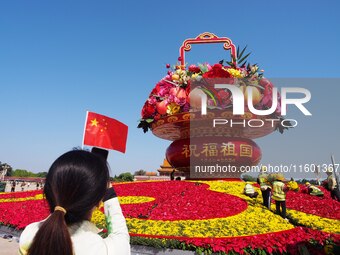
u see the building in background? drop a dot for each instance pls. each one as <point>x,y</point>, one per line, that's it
<point>166,170</point>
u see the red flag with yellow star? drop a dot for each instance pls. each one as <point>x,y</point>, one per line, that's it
<point>104,132</point>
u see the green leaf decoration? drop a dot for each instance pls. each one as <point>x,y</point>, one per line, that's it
<point>244,58</point>
<point>149,120</point>
<point>144,125</point>
<point>210,95</point>
<point>241,54</point>
<point>281,128</point>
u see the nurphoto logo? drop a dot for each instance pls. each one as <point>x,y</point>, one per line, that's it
<point>239,99</point>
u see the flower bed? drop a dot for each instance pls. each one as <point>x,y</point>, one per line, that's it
<point>23,209</point>
<point>179,201</point>
<point>321,206</point>
<point>205,215</point>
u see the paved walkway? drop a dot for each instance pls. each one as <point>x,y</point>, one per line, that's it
<point>8,247</point>
<point>11,246</point>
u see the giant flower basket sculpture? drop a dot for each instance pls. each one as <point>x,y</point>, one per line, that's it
<point>190,107</point>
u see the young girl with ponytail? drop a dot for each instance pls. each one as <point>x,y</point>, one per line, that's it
<point>75,184</point>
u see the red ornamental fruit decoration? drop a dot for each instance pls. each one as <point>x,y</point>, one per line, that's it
<point>174,112</point>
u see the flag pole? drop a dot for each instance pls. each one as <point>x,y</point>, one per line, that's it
<point>317,171</point>
<point>334,172</point>
<point>82,143</point>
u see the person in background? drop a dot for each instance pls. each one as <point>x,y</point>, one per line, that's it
<point>75,185</point>
<point>250,191</point>
<point>13,186</point>
<point>279,195</point>
<point>23,184</point>
<point>313,190</point>
<point>332,185</point>
<point>172,175</point>
<point>266,189</point>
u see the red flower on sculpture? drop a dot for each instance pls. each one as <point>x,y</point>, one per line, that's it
<point>148,110</point>
<point>194,69</point>
<point>217,71</point>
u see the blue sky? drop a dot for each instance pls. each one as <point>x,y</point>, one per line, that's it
<point>61,58</point>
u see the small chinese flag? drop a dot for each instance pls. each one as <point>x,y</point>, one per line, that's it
<point>105,132</point>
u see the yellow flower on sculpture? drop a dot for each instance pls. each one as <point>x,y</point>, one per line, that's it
<point>235,73</point>
<point>173,108</point>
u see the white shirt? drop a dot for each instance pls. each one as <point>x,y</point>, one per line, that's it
<point>84,235</point>
<point>249,189</point>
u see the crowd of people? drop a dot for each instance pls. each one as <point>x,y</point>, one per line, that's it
<point>275,187</point>
<point>25,185</point>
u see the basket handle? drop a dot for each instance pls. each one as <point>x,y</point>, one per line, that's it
<point>204,38</point>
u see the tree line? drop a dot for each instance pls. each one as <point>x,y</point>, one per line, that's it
<point>20,172</point>
<point>123,177</point>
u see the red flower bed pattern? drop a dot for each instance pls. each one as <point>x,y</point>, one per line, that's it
<point>321,206</point>
<point>179,201</point>
<point>20,194</point>
<point>20,214</point>
<point>192,201</point>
